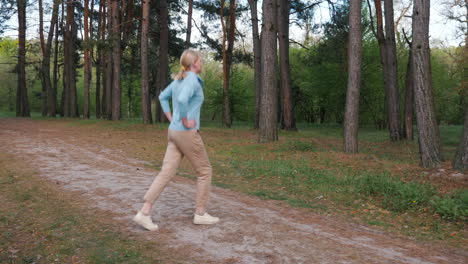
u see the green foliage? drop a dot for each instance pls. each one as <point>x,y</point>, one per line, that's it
<point>396,195</point>
<point>298,145</point>
<point>452,206</point>
<point>241,92</point>
<point>447,85</point>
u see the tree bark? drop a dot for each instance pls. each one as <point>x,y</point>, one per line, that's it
<point>229,36</point>
<point>22,103</point>
<point>393,97</point>
<point>99,60</point>
<point>257,60</point>
<point>71,106</point>
<point>288,121</point>
<point>41,71</point>
<point>163,69</point>
<point>87,61</point>
<point>116,58</point>
<point>50,100</point>
<point>461,158</point>
<point>351,120</point>
<point>106,62</point>
<point>52,97</point>
<point>145,96</point>
<point>269,98</point>
<point>65,54</point>
<point>409,98</point>
<point>428,131</point>
<point>189,24</point>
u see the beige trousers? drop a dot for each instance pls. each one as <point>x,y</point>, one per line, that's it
<point>190,145</point>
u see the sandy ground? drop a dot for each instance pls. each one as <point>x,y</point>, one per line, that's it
<point>251,230</point>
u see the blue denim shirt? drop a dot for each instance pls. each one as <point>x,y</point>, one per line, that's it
<point>187,99</point>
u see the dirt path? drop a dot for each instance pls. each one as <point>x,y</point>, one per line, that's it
<point>250,231</point>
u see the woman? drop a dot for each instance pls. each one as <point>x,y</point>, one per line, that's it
<point>186,92</point>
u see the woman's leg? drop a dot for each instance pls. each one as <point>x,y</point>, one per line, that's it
<point>191,144</point>
<point>171,162</point>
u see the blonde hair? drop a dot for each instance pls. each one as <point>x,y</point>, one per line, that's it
<point>187,58</point>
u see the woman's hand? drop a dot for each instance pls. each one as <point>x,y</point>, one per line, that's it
<point>169,116</point>
<point>189,123</point>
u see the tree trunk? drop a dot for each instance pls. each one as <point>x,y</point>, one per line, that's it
<point>63,96</point>
<point>189,24</point>
<point>116,58</point>
<point>99,60</point>
<point>409,98</point>
<point>42,70</point>
<point>288,122</point>
<point>461,158</point>
<point>53,98</point>
<point>393,97</point>
<point>22,102</point>
<point>163,69</point>
<point>229,36</point>
<point>257,60</point>
<point>145,96</point>
<point>105,59</point>
<point>428,131</point>
<point>269,98</point>
<point>71,106</point>
<point>50,94</point>
<point>351,120</point>
<point>87,62</point>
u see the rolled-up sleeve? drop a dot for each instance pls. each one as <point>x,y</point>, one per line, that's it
<point>164,97</point>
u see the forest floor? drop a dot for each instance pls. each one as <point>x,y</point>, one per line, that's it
<point>69,190</point>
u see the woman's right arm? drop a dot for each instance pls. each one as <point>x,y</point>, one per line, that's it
<point>164,97</point>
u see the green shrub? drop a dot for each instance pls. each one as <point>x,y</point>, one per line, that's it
<point>453,207</point>
<point>396,195</point>
<point>297,145</point>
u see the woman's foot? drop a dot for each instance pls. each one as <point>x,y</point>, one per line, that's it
<point>205,219</point>
<point>145,221</point>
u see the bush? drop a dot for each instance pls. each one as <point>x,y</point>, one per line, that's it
<point>396,195</point>
<point>452,207</point>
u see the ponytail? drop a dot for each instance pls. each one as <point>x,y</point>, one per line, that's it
<point>187,58</point>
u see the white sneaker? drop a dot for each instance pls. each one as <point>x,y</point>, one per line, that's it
<point>205,219</point>
<point>145,221</point>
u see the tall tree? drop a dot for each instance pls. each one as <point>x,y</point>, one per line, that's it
<point>98,61</point>
<point>189,24</point>
<point>257,59</point>
<point>163,69</point>
<point>288,122</point>
<point>41,71</point>
<point>22,102</point>
<point>428,131</point>
<point>87,60</point>
<point>461,157</point>
<point>145,96</point>
<point>388,59</point>
<point>227,49</point>
<point>52,97</point>
<point>393,97</point>
<point>409,95</point>
<point>116,58</point>
<point>269,98</point>
<point>70,103</point>
<point>351,121</point>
